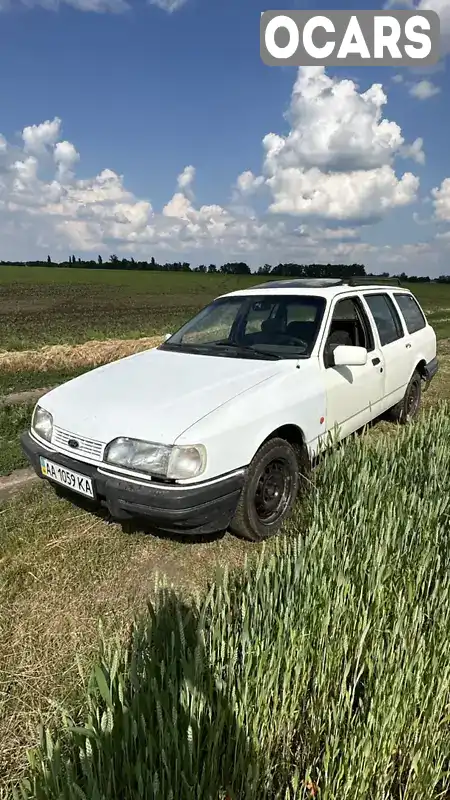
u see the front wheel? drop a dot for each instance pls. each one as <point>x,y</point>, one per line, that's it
<point>269,493</point>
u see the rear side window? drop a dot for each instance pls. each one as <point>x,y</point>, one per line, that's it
<point>386,317</point>
<point>412,314</point>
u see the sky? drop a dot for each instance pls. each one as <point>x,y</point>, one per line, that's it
<point>151,128</point>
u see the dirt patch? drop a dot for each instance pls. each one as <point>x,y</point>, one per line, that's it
<point>18,479</point>
<point>18,398</point>
<point>89,354</point>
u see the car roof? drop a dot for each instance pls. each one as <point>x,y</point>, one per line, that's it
<point>326,287</point>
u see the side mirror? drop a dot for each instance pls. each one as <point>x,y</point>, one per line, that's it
<point>167,336</point>
<point>347,356</point>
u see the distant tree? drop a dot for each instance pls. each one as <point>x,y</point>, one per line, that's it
<point>319,270</point>
<point>212,268</point>
<point>235,268</point>
<point>49,261</point>
<point>265,270</point>
<point>99,261</point>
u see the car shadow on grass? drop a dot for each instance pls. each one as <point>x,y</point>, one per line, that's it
<point>177,729</point>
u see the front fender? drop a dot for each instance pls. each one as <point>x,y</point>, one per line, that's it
<point>233,433</point>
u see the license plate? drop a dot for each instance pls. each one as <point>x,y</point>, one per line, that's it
<point>67,477</point>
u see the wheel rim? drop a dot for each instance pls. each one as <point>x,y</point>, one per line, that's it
<point>412,401</point>
<point>273,491</point>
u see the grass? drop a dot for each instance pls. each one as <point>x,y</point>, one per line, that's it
<point>61,568</point>
<point>13,420</point>
<point>320,672</point>
<point>12,381</point>
<point>44,306</point>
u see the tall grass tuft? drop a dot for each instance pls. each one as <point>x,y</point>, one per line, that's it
<point>321,671</point>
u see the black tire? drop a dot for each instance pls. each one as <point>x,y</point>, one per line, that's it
<point>269,493</point>
<point>408,408</point>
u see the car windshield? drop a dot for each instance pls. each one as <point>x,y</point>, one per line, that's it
<point>270,327</point>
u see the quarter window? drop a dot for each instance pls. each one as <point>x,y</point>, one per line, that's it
<point>411,311</point>
<point>386,317</point>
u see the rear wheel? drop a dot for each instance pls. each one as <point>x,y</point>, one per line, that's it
<point>408,408</point>
<point>269,493</point>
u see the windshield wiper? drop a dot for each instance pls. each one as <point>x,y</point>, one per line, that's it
<point>247,348</point>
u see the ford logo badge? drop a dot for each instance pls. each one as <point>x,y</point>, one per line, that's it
<point>73,443</point>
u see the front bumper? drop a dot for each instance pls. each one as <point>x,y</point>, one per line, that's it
<point>196,509</point>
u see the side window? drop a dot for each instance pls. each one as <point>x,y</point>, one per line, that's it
<point>349,326</point>
<point>386,317</point>
<point>411,311</point>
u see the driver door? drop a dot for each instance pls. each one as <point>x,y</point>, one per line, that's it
<point>353,394</point>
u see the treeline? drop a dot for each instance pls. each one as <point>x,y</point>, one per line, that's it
<point>289,270</point>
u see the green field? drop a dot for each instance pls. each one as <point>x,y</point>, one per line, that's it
<point>48,306</point>
<point>40,305</point>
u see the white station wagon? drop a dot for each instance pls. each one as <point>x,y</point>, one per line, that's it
<point>215,428</point>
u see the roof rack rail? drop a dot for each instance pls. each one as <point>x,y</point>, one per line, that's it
<point>297,283</point>
<point>369,279</point>
<point>324,283</point>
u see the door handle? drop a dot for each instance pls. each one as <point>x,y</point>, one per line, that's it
<point>376,361</point>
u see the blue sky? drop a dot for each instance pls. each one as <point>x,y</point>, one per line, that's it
<point>124,99</point>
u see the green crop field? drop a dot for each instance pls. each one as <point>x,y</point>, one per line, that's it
<point>48,306</point>
<point>41,306</point>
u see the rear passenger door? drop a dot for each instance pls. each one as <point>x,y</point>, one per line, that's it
<point>395,344</point>
<point>423,337</point>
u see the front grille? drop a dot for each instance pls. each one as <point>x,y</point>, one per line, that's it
<point>86,447</point>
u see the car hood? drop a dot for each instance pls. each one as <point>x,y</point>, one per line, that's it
<point>155,395</point>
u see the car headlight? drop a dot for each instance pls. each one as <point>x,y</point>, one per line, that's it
<point>174,462</point>
<point>42,423</point>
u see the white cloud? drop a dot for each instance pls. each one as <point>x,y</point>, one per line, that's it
<point>186,179</point>
<point>168,5</point>
<point>398,78</point>
<point>441,200</point>
<point>334,126</point>
<point>423,90</point>
<point>65,156</point>
<point>414,151</point>
<point>337,159</point>
<point>247,182</point>
<point>441,7</point>
<point>37,138</point>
